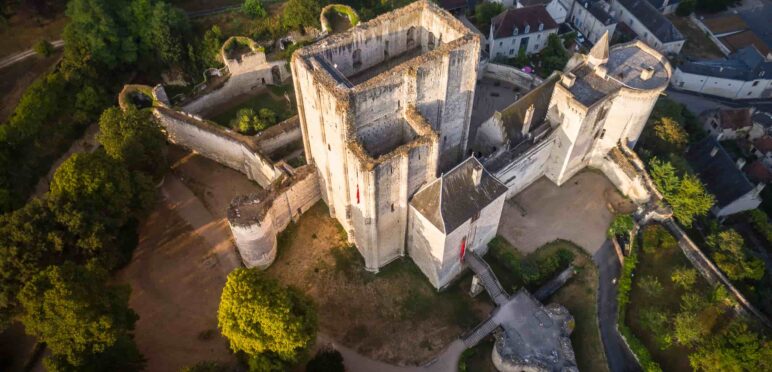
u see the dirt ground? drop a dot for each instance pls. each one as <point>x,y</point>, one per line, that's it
<point>15,78</point>
<point>394,316</point>
<point>214,184</point>
<point>24,29</point>
<point>580,211</point>
<point>179,268</point>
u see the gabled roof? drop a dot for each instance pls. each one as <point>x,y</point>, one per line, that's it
<point>505,23</point>
<point>653,20</point>
<point>718,171</point>
<point>758,172</point>
<point>735,118</point>
<point>724,24</point>
<point>747,64</point>
<point>597,10</point>
<point>744,39</point>
<point>763,144</point>
<point>453,198</point>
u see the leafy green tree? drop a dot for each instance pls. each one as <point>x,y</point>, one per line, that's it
<point>686,195</point>
<point>684,277</point>
<point>326,360</point>
<point>650,285</point>
<point>211,47</point>
<point>760,223</point>
<point>658,323</point>
<point>666,136</point>
<point>257,315</point>
<point>732,258</point>
<point>253,9</point>
<point>248,122</point>
<point>685,8</point>
<point>554,55</point>
<point>483,13</point>
<point>735,349</point>
<point>692,302</point>
<point>80,319</point>
<point>133,137</point>
<point>622,224</point>
<point>96,35</point>
<point>161,31</point>
<point>521,60</point>
<point>29,240</point>
<point>43,48</point>
<point>300,13</point>
<point>688,329</point>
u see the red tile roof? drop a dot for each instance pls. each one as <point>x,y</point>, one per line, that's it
<point>735,118</point>
<point>758,172</point>
<point>505,23</point>
<point>763,144</point>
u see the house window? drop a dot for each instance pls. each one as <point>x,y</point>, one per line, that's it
<point>515,31</point>
<point>527,28</point>
<point>541,26</point>
<point>501,43</point>
<point>511,51</point>
<point>680,84</point>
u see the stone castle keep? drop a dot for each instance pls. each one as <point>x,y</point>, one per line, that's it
<point>385,122</point>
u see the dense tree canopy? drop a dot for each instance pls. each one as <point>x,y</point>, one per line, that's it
<point>554,56</point>
<point>300,13</point>
<point>686,195</point>
<point>732,257</point>
<point>69,308</point>
<point>134,138</point>
<point>483,13</point>
<point>259,316</point>
<point>735,349</point>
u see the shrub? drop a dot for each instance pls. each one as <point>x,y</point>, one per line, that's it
<point>621,225</point>
<point>253,9</point>
<point>760,223</point>
<point>43,48</point>
<point>326,360</point>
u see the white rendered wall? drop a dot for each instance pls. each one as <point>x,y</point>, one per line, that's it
<point>508,47</point>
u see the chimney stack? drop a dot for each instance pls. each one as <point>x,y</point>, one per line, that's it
<point>647,73</point>
<point>477,171</point>
<point>527,120</point>
<point>568,79</point>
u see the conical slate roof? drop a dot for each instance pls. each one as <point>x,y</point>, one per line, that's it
<point>599,53</point>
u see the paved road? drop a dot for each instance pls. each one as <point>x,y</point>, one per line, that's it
<point>7,61</point>
<point>619,357</point>
<point>697,103</point>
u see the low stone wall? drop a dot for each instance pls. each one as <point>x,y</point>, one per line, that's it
<point>623,175</point>
<point>280,136</point>
<point>511,74</point>
<point>257,219</point>
<point>217,143</point>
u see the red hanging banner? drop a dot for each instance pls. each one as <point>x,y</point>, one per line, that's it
<point>463,248</point>
<point>357,193</point>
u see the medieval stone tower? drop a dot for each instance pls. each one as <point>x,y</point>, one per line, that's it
<point>602,98</point>
<point>385,108</point>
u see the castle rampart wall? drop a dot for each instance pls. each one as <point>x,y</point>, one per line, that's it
<point>527,167</point>
<point>217,143</point>
<point>510,74</point>
<point>257,219</point>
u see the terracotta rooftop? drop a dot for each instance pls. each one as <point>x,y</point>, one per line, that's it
<point>758,172</point>
<point>504,24</point>
<point>763,144</point>
<point>743,39</point>
<point>725,24</point>
<point>735,118</point>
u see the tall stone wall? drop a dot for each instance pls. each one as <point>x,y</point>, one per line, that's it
<point>510,74</point>
<point>257,219</point>
<point>526,168</point>
<point>280,137</point>
<point>217,143</point>
<point>623,175</point>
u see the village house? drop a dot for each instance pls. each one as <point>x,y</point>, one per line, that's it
<point>522,28</point>
<point>649,25</point>
<point>746,74</point>
<point>730,124</point>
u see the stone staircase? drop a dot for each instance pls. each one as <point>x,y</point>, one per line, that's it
<point>478,333</point>
<point>488,279</point>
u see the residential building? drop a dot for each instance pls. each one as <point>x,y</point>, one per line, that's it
<point>730,124</point>
<point>592,19</point>
<point>743,75</point>
<point>723,178</point>
<point>525,28</point>
<point>762,148</point>
<point>649,25</point>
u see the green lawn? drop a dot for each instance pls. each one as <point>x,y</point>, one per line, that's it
<point>268,99</point>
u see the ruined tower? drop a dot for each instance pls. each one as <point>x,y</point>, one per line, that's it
<point>385,108</point>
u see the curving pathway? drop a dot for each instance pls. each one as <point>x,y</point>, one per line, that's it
<point>18,57</point>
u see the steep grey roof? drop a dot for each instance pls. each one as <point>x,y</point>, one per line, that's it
<point>718,172</point>
<point>596,9</point>
<point>747,64</point>
<point>453,199</point>
<point>505,23</point>
<point>514,115</point>
<point>653,20</point>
